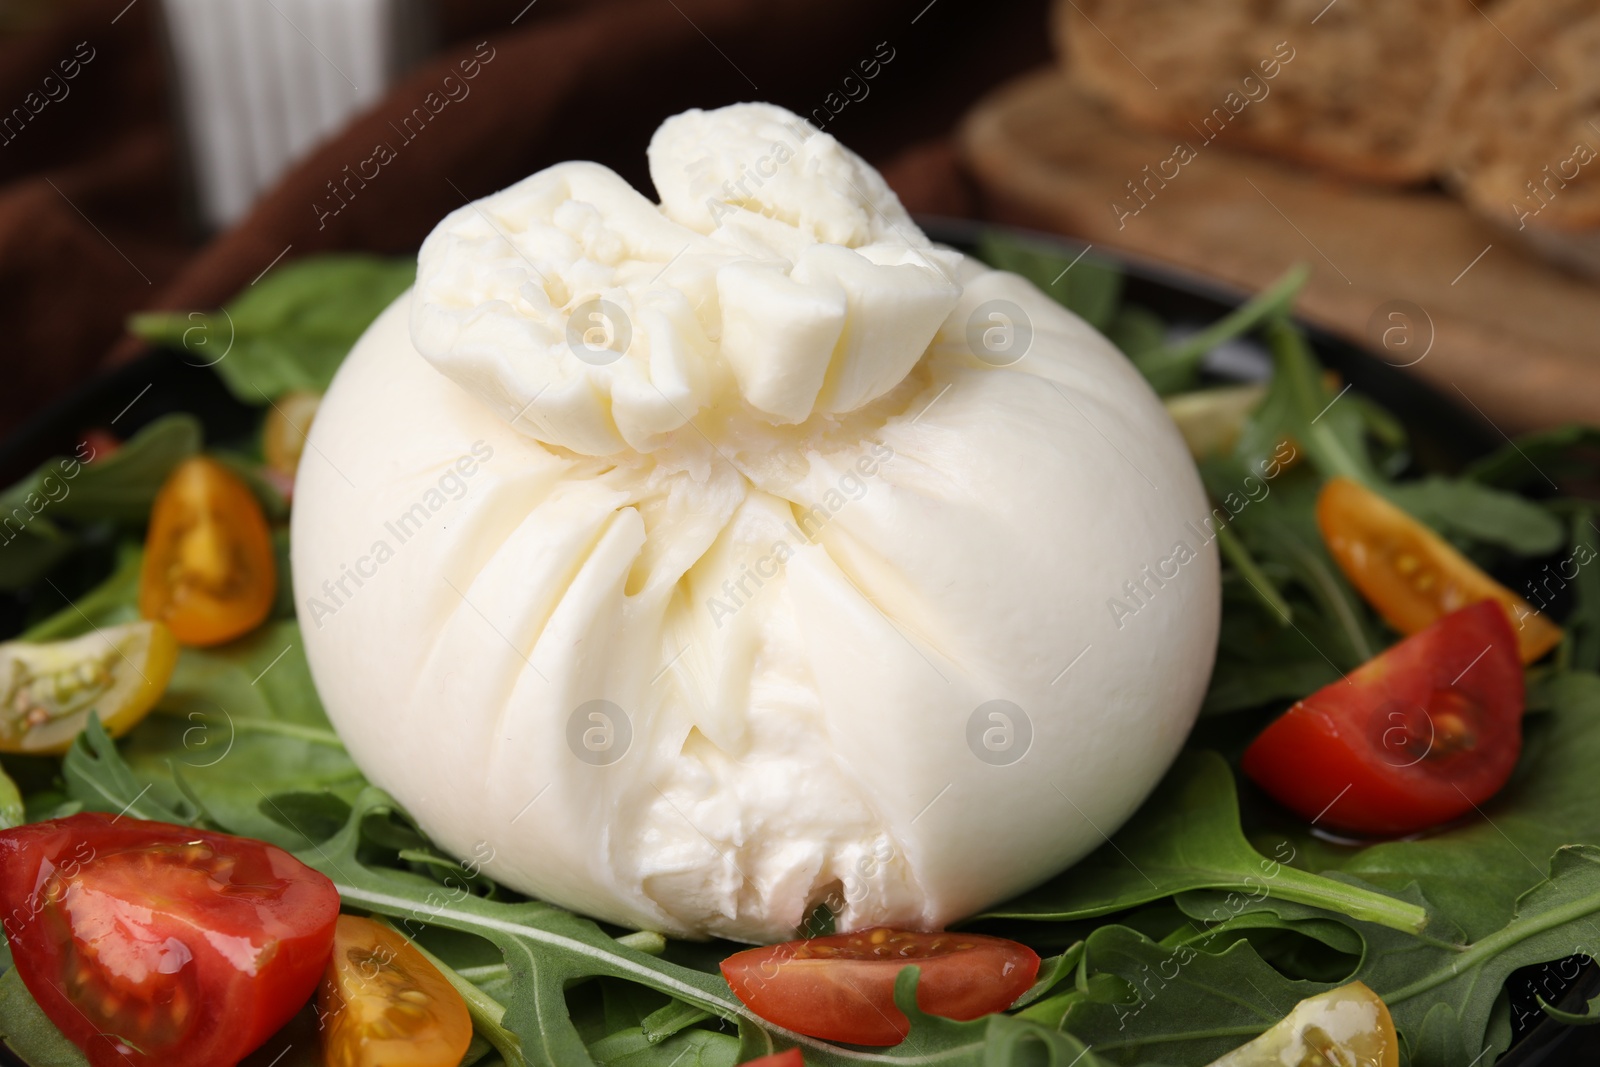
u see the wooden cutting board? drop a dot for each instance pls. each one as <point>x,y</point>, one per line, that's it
<point>1511,335</point>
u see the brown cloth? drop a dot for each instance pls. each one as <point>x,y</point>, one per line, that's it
<point>92,183</point>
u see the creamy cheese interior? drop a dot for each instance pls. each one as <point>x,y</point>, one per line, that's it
<point>693,564</point>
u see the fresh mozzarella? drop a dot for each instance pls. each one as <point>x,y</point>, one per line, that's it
<point>691,566</point>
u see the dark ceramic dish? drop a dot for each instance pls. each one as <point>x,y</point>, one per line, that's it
<point>1443,436</point>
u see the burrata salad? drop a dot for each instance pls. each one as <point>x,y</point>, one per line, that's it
<point>728,626</point>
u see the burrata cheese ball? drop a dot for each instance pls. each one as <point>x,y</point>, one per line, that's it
<point>697,563</point>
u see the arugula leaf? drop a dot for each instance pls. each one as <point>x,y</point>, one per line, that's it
<point>691,1048</point>
<point>1300,407</point>
<point>1582,651</point>
<point>1052,972</point>
<point>1280,529</point>
<point>1474,873</point>
<point>1180,1005</point>
<point>1472,510</point>
<point>111,603</point>
<point>240,723</point>
<point>1209,999</point>
<point>1187,836</point>
<point>291,329</point>
<point>98,779</point>
<point>1588,1018</point>
<point>1138,332</point>
<point>12,810</point>
<point>1086,286</point>
<point>118,488</point>
<point>26,1030</point>
<point>123,485</point>
<point>547,949</point>
<point>1534,460</point>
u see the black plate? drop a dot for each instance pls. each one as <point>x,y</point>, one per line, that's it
<point>1443,435</point>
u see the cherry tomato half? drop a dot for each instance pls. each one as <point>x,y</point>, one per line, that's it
<point>1350,1024</point>
<point>100,443</point>
<point>1411,574</point>
<point>1410,739</point>
<point>48,689</point>
<point>787,1058</point>
<point>382,1004</point>
<point>841,987</point>
<point>152,945</point>
<point>209,571</point>
<point>284,429</point>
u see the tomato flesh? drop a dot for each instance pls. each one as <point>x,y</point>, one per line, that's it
<point>382,1004</point>
<point>841,987</point>
<point>1412,738</point>
<point>209,572</point>
<point>1410,574</point>
<point>150,944</point>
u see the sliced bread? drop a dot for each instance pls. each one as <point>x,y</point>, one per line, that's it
<point>1525,119</point>
<point>1350,85</point>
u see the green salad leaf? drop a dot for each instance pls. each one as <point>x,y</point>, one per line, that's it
<point>1187,836</point>
<point>1086,286</point>
<point>289,330</point>
<point>240,723</point>
<point>26,1030</point>
<point>1536,462</point>
<point>1477,512</point>
<point>40,515</point>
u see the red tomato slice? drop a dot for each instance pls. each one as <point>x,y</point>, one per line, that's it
<point>841,987</point>
<point>787,1058</point>
<point>1413,738</point>
<point>150,944</point>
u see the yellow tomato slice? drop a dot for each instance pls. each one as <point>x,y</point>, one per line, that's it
<point>1211,420</point>
<point>48,689</point>
<point>1411,574</point>
<point>283,431</point>
<point>383,1005</point>
<point>1348,1025</point>
<point>209,570</point>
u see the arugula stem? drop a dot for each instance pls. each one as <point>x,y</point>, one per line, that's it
<point>1291,358</point>
<point>1499,941</point>
<point>1364,904</point>
<point>314,734</point>
<point>1271,302</point>
<point>1235,552</point>
<point>1333,599</point>
<point>647,941</point>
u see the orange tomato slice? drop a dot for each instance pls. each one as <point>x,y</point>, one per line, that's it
<point>382,1004</point>
<point>1410,574</point>
<point>209,572</point>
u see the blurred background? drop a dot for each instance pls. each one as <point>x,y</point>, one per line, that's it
<point>1435,162</point>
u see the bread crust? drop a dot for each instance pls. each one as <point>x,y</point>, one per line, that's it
<point>1524,121</point>
<point>1333,100</point>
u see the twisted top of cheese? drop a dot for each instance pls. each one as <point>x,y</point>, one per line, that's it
<point>779,278</point>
